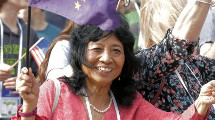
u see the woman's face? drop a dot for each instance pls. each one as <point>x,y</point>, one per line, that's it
<point>107,57</point>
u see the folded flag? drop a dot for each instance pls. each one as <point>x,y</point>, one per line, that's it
<point>38,50</point>
<point>101,13</point>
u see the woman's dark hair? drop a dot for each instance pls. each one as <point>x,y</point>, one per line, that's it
<point>64,35</point>
<point>124,89</point>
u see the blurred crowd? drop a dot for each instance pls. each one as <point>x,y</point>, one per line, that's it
<point>170,75</point>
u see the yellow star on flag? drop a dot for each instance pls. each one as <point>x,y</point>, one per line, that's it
<point>77,5</point>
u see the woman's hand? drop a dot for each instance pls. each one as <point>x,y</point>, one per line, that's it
<point>206,98</point>
<point>28,88</point>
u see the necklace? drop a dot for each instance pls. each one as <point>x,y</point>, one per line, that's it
<point>114,102</point>
<point>101,111</point>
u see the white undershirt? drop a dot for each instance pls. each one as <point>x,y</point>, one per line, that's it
<point>59,59</point>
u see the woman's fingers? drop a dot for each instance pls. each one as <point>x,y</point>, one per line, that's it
<point>212,88</point>
<point>213,93</point>
<point>212,84</point>
<point>207,94</point>
<point>24,90</point>
<point>24,70</point>
<point>27,86</point>
<point>26,77</point>
<point>24,83</point>
<point>23,80</point>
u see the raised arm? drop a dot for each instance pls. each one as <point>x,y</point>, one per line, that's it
<point>166,56</point>
<point>191,19</point>
<point>28,88</point>
<point>197,111</point>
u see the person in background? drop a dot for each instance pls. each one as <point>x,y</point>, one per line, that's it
<point>131,13</point>
<point>103,86</point>
<point>40,25</point>
<point>55,19</point>
<point>127,7</point>
<point>154,28</point>
<point>207,36</point>
<point>175,83</point>
<point>58,52</point>
<point>13,38</point>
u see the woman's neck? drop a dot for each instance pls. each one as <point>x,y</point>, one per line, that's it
<point>98,95</point>
<point>39,26</point>
<point>99,100</point>
<point>98,92</point>
<point>38,22</point>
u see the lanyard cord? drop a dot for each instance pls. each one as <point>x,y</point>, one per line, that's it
<point>182,82</point>
<point>2,31</point>
<point>89,110</point>
<point>88,105</point>
<point>115,105</point>
<point>20,48</point>
<point>193,74</point>
<point>20,44</point>
<point>197,80</point>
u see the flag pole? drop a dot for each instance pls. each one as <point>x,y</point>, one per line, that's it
<point>35,44</point>
<point>28,36</point>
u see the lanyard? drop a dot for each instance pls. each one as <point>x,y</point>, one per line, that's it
<point>193,74</point>
<point>20,44</point>
<point>182,82</point>
<point>114,101</point>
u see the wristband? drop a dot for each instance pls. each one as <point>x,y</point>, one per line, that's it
<point>209,3</point>
<point>20,113</point>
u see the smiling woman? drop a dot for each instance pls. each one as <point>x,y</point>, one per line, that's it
<point>99,58</point>
<point>106,57</point>
<point>102,57</point>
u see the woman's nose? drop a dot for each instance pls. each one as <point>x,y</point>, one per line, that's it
<point>106,57</point>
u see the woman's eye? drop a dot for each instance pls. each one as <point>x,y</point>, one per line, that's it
<point>117,51</point>
<point>96,49</point>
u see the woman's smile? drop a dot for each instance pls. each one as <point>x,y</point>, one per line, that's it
<point>107,57</point>
<point>104,69</point>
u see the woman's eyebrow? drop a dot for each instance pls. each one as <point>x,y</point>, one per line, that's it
<point>116,45</point>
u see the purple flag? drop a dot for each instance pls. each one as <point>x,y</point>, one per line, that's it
<point>95,12</point>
